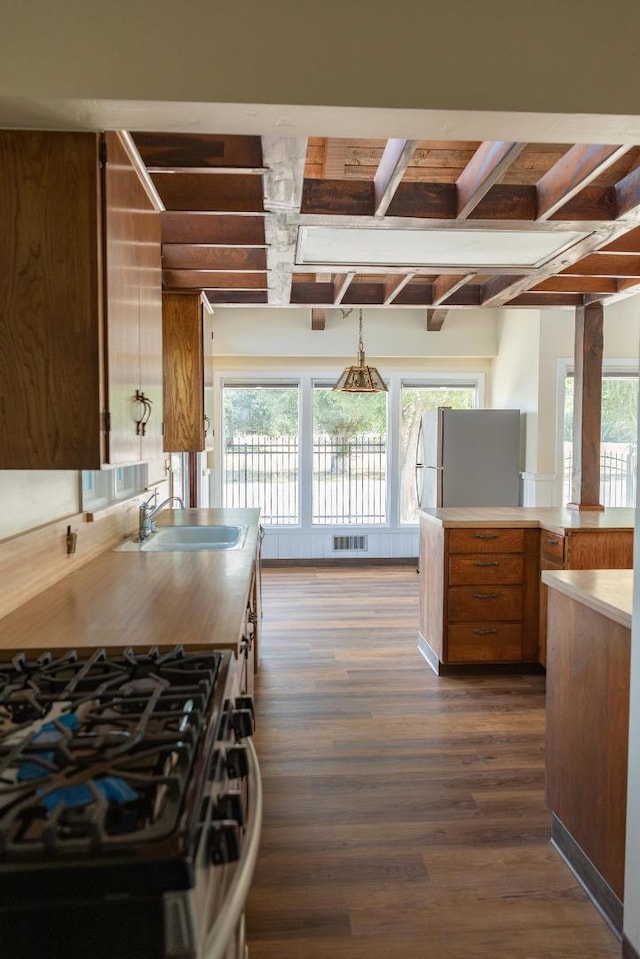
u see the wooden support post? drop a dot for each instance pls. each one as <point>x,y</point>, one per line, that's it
<point>587,408</point>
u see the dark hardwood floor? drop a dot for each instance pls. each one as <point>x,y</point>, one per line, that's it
<point>404,813</point>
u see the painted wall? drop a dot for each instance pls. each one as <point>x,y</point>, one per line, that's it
<point>496,55</point>
<point>386,333</point>
<point>515,374</point>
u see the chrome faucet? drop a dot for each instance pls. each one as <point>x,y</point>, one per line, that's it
<point>146,513</point>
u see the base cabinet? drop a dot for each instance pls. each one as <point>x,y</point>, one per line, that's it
<point>479,596</point>
<point>580,549</point>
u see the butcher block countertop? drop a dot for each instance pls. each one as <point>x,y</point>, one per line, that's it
<point>557,519</point>
<point>606,591</point>
<point>121,599</point>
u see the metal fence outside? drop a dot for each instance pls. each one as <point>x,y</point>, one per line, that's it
<point>348,475</point>
<point>618,473</point>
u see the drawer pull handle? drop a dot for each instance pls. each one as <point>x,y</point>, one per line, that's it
<point>487,535</point>
<point>485,595</point>
<point>486,564</point>
<point>485,632</point>
<point>552,542</point>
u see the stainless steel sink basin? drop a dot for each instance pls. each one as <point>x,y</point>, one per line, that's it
<point>188,539</point>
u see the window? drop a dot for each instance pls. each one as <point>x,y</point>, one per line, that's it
<point>261,450</point>
<point>618,438</point>
<point>349,475</point>
<point>101,488</point>
<point>415,399</point>
<point>311,457</point>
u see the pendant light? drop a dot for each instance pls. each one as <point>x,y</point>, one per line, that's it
<point>360,378</point>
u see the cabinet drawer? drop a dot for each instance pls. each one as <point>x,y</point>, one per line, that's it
<point>477,604</point>
<point>486,540</point>
<point>551,547</point>
<point>505,568</point>
<point>485,643</point>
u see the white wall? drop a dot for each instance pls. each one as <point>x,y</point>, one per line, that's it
<point>515,374</point>
<point>387,332</point>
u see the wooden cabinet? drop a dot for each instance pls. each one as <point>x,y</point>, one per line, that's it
<point>80,303</point>
<point>188,375</point>
<point>479,601</point>
<point>580,549</point>
<point>587,736</point>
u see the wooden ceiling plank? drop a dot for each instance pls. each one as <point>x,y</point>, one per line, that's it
<point>629,243</point>
<point>238,297</point>
<point>334,159</point>
<point>393,163</point>
<point>318,319</point>
<point>225,229</point>
<point>628,194</point>
<point>546,300</point>
<point>445,285</point>
<point>182,256</point>
<point>580,165</point>
<point>341,284</point>
<point>214,280</point>
<point>487,166</point>
<point>435,320</point>
<point>393,285</point>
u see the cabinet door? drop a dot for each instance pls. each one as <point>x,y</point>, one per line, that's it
<point>183,372</point>
<point>50,303</point>
<point>133,313</point>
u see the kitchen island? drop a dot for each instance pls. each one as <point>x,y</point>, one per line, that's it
<point>481,600</point>
<point>589,628</point>
<point>142,599</point>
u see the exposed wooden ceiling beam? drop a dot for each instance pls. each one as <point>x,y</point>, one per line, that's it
<point>435,320</point>
<point>224,229</point>
<point>393,285</point>
<point>183,256</point>
<point>341,283</point>
<point>484,170</point>
<point>445,285</point>
<point>606,264</point>
<point>577,284</point>
<point>213,279</point>
<point>578,167</point>
<point>201,150</point>
<point>285,158</point>
<point>393,164</point>
<point>222,193</point>
<point>318,319</point>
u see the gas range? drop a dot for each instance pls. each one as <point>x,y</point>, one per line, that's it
<point>124,794</point>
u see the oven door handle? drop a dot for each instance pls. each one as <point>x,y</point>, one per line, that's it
<point>217,941</point>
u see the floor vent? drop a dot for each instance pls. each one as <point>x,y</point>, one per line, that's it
<point>349,542</point>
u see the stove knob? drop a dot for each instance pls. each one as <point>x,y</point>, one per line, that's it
<point>224,842</point>
<point>242,722</point>
<point>231,807</point>
<point>237,762</point>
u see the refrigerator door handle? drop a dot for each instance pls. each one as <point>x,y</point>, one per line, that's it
<point>419,465</point>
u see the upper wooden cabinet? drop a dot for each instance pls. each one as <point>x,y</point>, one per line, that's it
<point>188,381</point>
<point>80,305</point>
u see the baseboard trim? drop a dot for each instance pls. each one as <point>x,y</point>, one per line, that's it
<point>629,951</point>
<point>339,561</point>
<point>594,884</point>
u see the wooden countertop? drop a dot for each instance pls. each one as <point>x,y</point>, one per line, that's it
<point>145,598</point>
<point>607,591</point>
<point>557,519</point>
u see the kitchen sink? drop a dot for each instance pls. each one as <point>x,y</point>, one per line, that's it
<point>187,539</point>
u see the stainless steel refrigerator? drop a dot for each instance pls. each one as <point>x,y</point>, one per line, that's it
<point>468,458</point>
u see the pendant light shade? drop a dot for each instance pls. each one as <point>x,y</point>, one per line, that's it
<point>360,378</point>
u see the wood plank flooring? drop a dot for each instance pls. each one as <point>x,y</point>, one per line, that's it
<point>404,813</point>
